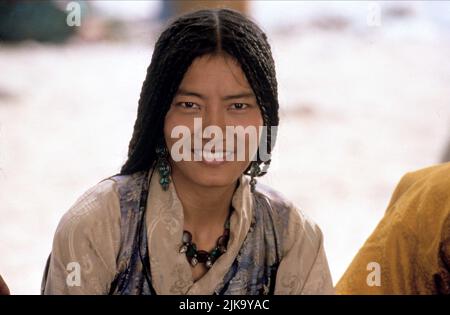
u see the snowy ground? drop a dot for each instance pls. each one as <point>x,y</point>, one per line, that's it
<point>358,109</point>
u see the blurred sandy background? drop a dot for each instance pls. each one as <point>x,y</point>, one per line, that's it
<point>363,101</point>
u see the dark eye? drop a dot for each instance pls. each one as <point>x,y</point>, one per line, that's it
<point>188,105</point>
<point>239,106</point>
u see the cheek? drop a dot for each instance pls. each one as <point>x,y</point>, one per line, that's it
<point>258,123</point>
<point>252,143</point>
<point>177,123</point>
<point>247,143</point>
<point>255,122</point>
<point>171,121</point>
<point>253,119</point>
<point>169,124</point>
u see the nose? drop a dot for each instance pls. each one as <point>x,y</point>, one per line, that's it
<point>214,119</point>
<point>214,115</point>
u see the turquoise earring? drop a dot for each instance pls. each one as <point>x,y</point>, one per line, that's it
<point>163,166</point>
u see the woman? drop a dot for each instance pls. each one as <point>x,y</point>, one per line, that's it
<point>198,225</point>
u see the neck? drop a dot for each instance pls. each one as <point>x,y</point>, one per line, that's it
<point>205,208</point>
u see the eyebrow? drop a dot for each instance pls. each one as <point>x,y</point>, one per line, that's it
<point>244,94</point>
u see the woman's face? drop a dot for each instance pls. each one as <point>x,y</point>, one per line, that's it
<point>214,92</point>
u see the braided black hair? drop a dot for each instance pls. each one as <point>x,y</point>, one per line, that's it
<point>212,31</point>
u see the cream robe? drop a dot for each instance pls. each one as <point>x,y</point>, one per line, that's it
<point>89,235</point>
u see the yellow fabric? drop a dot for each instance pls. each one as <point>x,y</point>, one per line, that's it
<point>411,244</point>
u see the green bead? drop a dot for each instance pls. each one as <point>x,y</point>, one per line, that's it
<point>191,251</point>
<point>164,181</point>
<point>163,168</point>
<point>215,253</point>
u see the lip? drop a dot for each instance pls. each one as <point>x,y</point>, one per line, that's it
<point>212,158</point>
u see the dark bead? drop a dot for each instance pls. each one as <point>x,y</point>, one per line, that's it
<point>202,256</point>
<point>222,249</point>
<point>222,241</point>
<point>187,237</point>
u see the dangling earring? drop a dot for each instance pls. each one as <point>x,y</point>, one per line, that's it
<point>255,171</point>
<point>163,166</point>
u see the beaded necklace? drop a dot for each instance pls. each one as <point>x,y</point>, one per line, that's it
<point>195,256</point>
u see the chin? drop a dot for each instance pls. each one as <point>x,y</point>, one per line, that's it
<point>212,175</point>
<point>209,181</point>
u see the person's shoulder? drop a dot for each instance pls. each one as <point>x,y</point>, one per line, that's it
<point>284,207</point>
<point>88,234</point>
<point>430,184</point>
<point>292,222</point>
<point>97,207</point>
<point>436,177</point>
